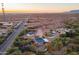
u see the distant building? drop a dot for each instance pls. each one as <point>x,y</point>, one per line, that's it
<point>3,32</point>
<point>5,27</point>
<point>6,23</point>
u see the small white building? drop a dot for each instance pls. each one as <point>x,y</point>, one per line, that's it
<point>6,23</point>
<point>3,32</point>
<point>63,30</point>
<point>5,27</point>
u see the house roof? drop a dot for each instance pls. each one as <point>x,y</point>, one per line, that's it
<point>31,33</point>
<point>46,40</point>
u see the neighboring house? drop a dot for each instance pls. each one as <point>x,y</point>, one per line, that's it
<point>5,27</point>
<point>62,30</point>
<point>28,35</point>
<point>3,32</point>
<point>6,23</point>
<point>34,33</point>
<point>53,33</point>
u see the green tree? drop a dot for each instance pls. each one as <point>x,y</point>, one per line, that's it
<point>24,32</point>
<point>11,50</point>
<point>57,43</point>
<point>65,40</point>
<point>74,36</point>
<point>1,39</point>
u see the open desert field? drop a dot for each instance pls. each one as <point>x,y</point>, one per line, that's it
<point>45,21</point>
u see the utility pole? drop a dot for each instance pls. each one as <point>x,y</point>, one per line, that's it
<point>2,4</point>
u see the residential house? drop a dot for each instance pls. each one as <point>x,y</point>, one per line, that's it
<point>40,44</point>
<point>28,35</point>
<point>3,32</point>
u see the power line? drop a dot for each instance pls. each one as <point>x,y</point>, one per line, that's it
<point>3,11</point>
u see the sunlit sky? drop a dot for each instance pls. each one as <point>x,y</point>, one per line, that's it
<point>39,7</point>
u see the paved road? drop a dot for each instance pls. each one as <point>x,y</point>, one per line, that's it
<point>9,41</point>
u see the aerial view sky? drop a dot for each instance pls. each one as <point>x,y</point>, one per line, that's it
<point>39,7</point>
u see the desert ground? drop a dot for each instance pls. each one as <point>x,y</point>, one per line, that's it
<point>46,21</point>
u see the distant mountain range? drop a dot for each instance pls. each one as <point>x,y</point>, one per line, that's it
<point>73,11</point>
